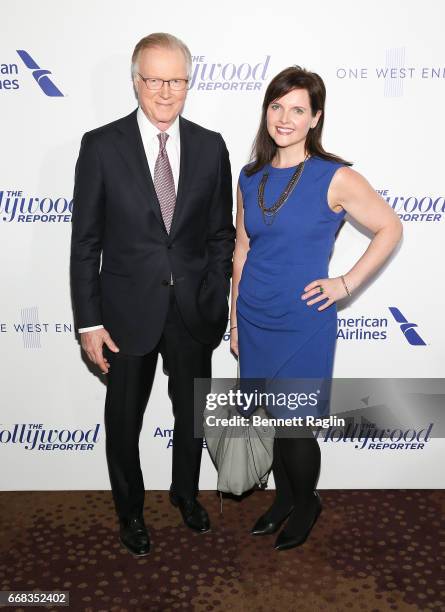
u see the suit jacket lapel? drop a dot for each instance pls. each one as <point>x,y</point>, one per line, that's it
<point>185,166</point>
<point>131,148</point>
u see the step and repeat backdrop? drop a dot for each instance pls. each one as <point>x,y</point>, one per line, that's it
<point>65,69</point>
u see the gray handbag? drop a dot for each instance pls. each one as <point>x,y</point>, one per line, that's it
<point>242,454</point>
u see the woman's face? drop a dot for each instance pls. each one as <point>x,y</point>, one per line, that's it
<point>289,118</point>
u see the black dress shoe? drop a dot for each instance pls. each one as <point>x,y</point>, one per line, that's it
<point>286,540</point>
<point>265,526</point>
<point>193,514</point>
<point>134,536</point>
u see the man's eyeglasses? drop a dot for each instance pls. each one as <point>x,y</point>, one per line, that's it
<point>156,84</point>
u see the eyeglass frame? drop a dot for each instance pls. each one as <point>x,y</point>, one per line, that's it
<point>145,79</point>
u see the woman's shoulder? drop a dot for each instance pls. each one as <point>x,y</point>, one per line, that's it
<point>325,164</point>
<point>324,169</point>
<point>246,171</point>
<point>246,176</point>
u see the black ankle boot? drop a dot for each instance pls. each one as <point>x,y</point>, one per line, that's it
<point>289,539</point>
<point>266,524</point>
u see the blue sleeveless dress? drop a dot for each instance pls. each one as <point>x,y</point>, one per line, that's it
<point>279,335</point>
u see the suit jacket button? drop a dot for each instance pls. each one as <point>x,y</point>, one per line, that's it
<point>165,282</point>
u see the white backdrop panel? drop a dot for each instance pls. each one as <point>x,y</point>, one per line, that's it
<point>384,68</point>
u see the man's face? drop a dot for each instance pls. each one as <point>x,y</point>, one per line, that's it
<point>162,106</point>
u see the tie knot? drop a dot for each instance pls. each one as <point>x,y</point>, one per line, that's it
<point>162,139</point>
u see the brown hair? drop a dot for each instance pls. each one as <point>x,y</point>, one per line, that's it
<point>160,39</point>
<point>295,77</point>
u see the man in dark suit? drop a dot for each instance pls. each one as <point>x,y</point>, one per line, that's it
<point>153,198</point>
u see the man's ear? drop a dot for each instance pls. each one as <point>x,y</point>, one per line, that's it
<point>135,80</point>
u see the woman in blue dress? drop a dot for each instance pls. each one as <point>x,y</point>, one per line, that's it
<point>291,201</point>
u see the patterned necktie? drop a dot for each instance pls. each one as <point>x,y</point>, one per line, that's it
<point>164,183</point>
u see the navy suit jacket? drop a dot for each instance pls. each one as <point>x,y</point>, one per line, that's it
<point>121,253</point>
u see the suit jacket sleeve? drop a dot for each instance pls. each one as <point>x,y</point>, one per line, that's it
<point>88,220</point>
<point>221,232</point>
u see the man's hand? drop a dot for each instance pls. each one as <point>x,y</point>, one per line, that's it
<point>92,343</point>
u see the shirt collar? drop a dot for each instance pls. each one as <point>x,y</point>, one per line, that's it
<point>150,131</point>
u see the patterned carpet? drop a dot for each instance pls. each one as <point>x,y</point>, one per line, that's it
<point>369,551</point>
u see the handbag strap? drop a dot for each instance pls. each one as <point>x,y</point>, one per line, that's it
<point>220,492</point>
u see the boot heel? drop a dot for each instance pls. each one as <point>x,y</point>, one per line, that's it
<point>286,541</point>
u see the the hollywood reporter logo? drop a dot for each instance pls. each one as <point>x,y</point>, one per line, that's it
<point>34,436</point>
<point>230,76</point>
<point>18,207</point>
<point>371,437</point>
<point>419,208</point>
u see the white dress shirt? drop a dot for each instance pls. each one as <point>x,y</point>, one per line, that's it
<point>150,140</point>
<point>149,133</point>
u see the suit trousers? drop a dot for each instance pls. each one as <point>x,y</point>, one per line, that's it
<point>130,380</point>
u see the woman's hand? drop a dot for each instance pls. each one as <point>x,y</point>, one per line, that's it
<point>330,289</point>
<point>234,341</point>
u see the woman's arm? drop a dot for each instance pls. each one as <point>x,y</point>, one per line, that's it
<point>351,191</point>
<point>239,257</point>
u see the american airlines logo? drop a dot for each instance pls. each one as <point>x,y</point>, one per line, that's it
<point>407,328</point>
<point>372,328</point>
<point>41,75</point>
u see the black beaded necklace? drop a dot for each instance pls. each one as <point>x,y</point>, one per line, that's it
<point>270,212</point>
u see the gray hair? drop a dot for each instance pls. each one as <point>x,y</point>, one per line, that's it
<point>160,39</point>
